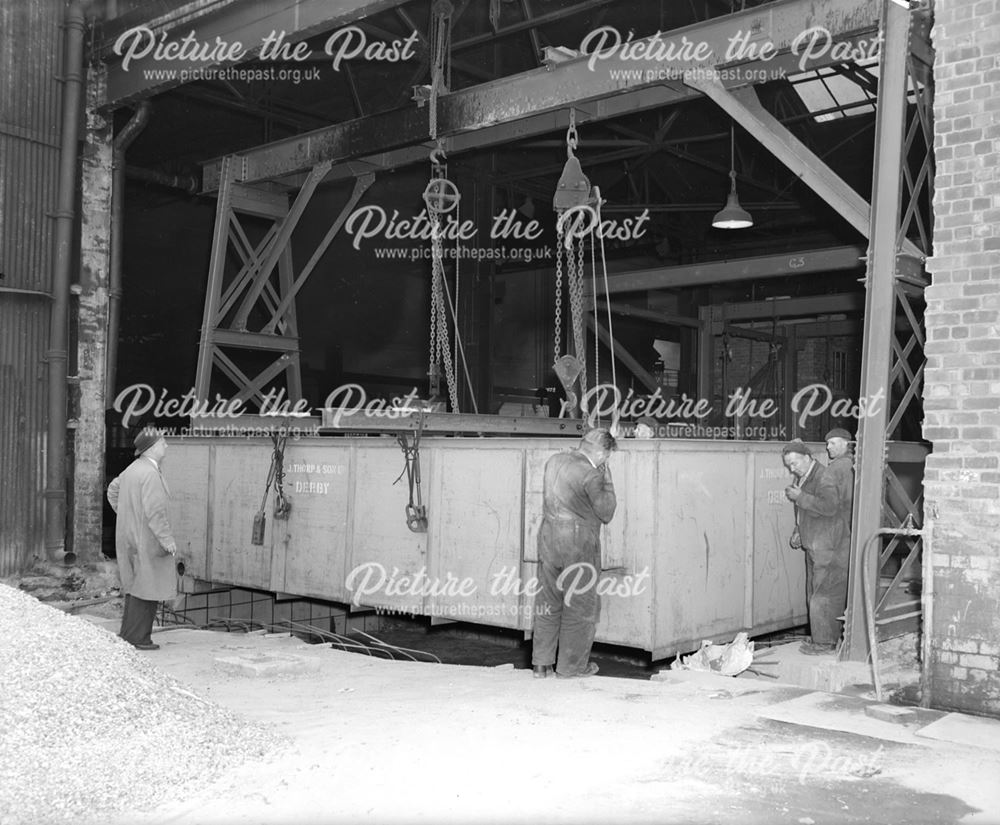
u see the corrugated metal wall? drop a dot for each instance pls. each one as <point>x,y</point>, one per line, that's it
<point>30,95</point>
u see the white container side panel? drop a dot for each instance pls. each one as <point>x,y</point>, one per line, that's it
<point>310,546</point>
<point>701,546</point>
<point>528,584</point>
<point>779,575</point>
<point>186,470</point>
<point>627,542</point>
<point>534,475</point>
<point>383,554</point>
<point>475,538</point>
<point>238,484</point>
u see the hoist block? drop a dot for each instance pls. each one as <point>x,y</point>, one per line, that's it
<point>441,196</point>
<point>573,188</point>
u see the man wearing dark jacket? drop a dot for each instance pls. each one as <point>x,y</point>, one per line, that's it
<point>841,467</point>
<point>823,531</point>
<point>144,545</point>
<point>578,497</point>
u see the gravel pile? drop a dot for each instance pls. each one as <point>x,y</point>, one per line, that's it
<point>89,728</point>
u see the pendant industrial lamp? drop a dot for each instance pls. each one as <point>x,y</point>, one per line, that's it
<point>732,215</point>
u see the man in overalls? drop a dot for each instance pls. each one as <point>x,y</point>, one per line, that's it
<point>578,497</point>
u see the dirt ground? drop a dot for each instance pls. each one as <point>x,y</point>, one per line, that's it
<point>388,741</point>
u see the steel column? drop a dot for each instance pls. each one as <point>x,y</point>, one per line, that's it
<point>887,363</point>
<point>280,243</point>
<point>253,287</point>
<point>216,271</point>
<point>878,335</point>
<point>360,187</point>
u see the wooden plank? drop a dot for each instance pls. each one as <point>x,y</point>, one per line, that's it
<point>476,538</point>
<point>700,545</point>
<point>240,478</point>
<point>380,544</point>
<point>779,572</point>
<point>627,547</point>
<point>184,468</point>
<point>313,539</point>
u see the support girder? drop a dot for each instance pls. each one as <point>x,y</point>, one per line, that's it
<point>790,307</point>
<point>745,108</point>
<point>495,112</point>
<point>651,315</point>
<point>244,22</point>
<point>833,259</point>
<point>622,354</point>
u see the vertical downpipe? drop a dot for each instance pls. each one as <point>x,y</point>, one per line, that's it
<point>121,143</point>
<point>927,616</point>
<point>55,459</point>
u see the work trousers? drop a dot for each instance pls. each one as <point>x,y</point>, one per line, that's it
<point>137,620</point>
<point>826,597</point>
<point>566,612</point>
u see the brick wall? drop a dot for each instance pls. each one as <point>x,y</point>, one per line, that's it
<point>962,389</point>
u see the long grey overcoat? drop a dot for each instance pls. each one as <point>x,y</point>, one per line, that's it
<point>139,496</point>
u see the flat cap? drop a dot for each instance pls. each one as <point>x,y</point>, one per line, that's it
<point>838,432</point>
<point>796,446</point>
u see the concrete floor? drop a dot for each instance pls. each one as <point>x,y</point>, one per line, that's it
<point>375,740</point>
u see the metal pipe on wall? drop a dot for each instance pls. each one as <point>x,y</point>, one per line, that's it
<point>122,141</point>
<point>55,459</point>
<point>186,183</point>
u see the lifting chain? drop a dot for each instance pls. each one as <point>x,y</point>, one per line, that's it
<point>441,346</point>
<point>579,342</point>
<point>282,505</point>
<point>574,282</point>
<point>440,44</point>
<point>572,138</point>
<point>440,197</point>
<point>416,511</point>
<point>559,280</point>
<point>276,476</point>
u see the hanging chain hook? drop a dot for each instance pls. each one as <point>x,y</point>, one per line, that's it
<point>571,135</point>
<point>438,157</point>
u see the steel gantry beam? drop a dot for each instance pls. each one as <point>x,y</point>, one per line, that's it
<point>535,102</point>
<point>834,259</point>
<point>221,25</point>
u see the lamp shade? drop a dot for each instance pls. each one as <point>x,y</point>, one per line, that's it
<point>732,215</point>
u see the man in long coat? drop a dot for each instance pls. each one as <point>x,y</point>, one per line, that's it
<point>824,533</point>
<point>578,497</point>
<point>144,543</point>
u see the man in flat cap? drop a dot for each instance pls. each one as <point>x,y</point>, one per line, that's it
<point>578,497</point>
<point>841,467</point>
<point>824,534</point>
<point>144,543</point>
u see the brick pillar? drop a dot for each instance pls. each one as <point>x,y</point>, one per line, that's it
<point>962,389</point>
<point>95,237</point>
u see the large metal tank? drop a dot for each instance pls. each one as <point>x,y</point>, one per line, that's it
<point>697,550</point>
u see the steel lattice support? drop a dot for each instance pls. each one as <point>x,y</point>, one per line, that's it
<point>253,294</point>
<point>893,348</point>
